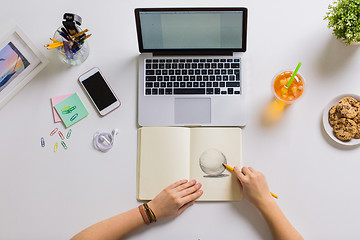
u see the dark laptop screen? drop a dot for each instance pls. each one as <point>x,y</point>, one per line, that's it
<point>191,29</point>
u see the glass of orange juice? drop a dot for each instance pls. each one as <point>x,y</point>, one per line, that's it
<point>289,94</point>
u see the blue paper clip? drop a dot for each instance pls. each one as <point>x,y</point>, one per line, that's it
<point>42,142</point>
<point>68,134</point>
<point>73,117</point>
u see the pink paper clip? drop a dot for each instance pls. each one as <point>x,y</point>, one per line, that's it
<point>61,135</point>
<point>53,131</point>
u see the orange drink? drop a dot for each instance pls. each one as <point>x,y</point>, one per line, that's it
<point>288,94</point>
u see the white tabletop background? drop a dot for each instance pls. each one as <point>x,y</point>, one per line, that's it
<point>47,195</point>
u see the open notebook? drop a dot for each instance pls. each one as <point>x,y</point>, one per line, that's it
<point>169,154</point>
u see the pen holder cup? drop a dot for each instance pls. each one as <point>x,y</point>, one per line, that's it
<point>72,57</point>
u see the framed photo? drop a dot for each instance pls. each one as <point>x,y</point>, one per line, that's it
<point>20,61</point>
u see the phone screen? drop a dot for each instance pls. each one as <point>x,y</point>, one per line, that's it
<point>99,91</point>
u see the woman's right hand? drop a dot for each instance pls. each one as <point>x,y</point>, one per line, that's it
<point>253,185</point>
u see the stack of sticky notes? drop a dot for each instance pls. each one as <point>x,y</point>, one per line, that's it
<point>56,100</point>
<point>69,109</point>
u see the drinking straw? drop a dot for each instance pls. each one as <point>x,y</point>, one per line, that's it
<point>293,75</point>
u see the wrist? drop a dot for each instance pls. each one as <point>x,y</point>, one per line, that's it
<point>265,204</point>
<point>147,213</point>
<point>153,206</point>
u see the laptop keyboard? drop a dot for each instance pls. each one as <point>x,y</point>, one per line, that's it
<point>192,76</point>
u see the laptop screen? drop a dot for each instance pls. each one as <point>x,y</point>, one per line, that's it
<point>191,29</point>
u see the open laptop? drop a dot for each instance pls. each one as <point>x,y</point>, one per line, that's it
<point>190,66</point>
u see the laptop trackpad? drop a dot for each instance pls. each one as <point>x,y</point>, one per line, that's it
<point>192,110</point>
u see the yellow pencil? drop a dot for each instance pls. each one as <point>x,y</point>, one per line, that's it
<point>55,45</point>
<point>87,37</point>
<point>228,167</point>
<point>232,169</point>
<point>78,34</point>
<point>53,40</point>
<point>274,195</point>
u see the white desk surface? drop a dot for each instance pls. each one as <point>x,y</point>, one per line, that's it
<point>47,195</point>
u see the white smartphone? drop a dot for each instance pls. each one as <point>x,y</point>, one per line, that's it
<point>99,91</point>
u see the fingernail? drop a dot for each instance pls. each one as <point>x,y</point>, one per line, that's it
<point>193,181</point>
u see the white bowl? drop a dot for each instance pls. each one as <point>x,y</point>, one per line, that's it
<point>326,124</point>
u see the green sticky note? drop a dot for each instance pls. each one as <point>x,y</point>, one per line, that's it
<point>71,110</point>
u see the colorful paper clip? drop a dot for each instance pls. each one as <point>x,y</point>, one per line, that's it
<point>63,144</point>
<point>42,142</point>
<point>73,117</point>
<point>65,108</point>
<point>68,134</point>
<point>53,131</point>
<point>61,136</point>
<point>56,147</point>
<point>68,109</point>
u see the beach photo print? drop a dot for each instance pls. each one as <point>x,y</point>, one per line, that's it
<point>20,61</point>
<point>12,63</point>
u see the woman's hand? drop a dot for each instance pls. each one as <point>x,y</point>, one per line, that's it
<point>174,199</point>
<point>253,185</point>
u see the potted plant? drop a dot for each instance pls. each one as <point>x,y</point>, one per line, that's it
<point>344,19</point>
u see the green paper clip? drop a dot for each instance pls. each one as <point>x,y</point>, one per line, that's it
<point>68,134</point>
<point>68,110</point>
<point>63,144</point>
